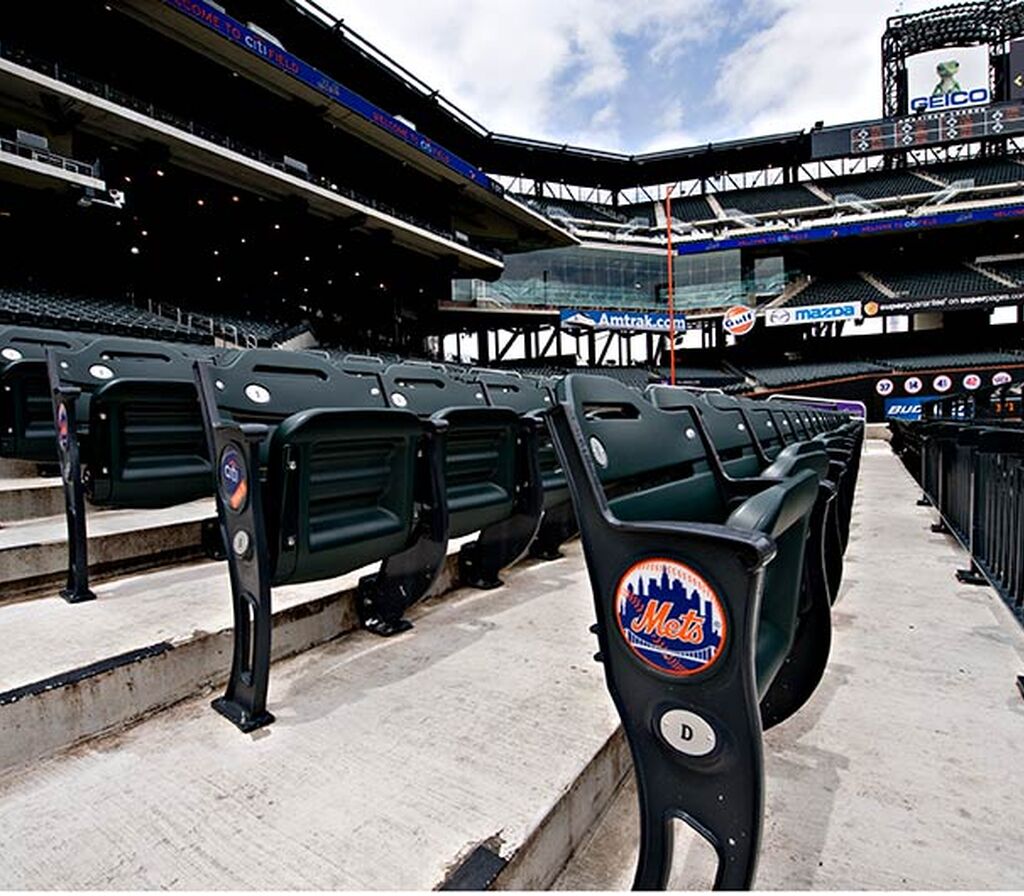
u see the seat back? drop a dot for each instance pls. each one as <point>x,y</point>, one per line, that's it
<point>724,423</point>
<point>764,427</point>
<point>339,463</point>
<point>140,431</point>
<point>26,408</point>
<point>480,443</point>
<point>526,395</point>
<point>651,462</point>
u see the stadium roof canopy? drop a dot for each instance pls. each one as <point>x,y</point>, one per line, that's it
<point>309,31</point>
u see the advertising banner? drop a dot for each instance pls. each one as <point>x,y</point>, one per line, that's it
<point>214,18</point>
<point>950,78</point>
<point>812,314</point>
<point>621,321</point>
<point>869,228</point>
<point>907,408</point>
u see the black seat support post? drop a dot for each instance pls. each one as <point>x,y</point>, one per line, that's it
<point>501,544</point>
<point>383,598</point>
<point>65,419</point>
<point>693,725</point>
<point>235,452</point>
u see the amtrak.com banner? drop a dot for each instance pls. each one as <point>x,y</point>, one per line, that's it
<point>623,321</point>
<point>951,78</point>
<point>812,314</point>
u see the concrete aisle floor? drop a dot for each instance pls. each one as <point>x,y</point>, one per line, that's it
<point>390,760</point>
<point>906,769</point>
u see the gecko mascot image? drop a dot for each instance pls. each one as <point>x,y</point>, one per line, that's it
<point>947,78</point>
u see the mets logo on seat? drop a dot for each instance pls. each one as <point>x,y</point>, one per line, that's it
<point>63,431</point>
<point>234,482</point>
<point>739,320</point>
<point>670,617</point>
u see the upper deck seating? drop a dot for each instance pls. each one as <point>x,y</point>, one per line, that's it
<point>639,213</point>
<point>764,200</point>
<point>984,172</point>
<point>878,185</point>
<point>692,209</point>
<point>666,534</point>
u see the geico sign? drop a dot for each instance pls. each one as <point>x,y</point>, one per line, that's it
<point>811,314</point>
<point>977,97</point>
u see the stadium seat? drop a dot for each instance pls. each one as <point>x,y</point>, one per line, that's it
<point>128,434</point>
<point>26,430</point>
<point>649,499</point>
<point>531,397</point>
<point>317,476</point>
<point>492,476</point>
<point>732,447</point>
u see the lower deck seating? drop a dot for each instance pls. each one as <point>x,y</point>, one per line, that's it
<point>793,374</point>
<point>725,515</point>
<point>686,559</point>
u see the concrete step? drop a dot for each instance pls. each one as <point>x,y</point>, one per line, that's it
<point>69,673</point>
<point>483,738</point>
<point>24,469</point>
<point>33,553</point>
<point>26,498</point>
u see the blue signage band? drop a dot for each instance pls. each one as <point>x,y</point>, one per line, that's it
<point>284,61</point>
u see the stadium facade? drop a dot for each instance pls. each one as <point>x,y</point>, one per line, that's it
<point>248,171</point>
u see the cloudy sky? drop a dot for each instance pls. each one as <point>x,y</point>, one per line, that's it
<point>639,75</point>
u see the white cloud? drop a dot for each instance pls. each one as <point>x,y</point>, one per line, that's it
<point>810,60</point>
<point>559,70</point>
<point>519,67</point>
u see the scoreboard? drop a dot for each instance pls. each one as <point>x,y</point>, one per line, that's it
<point>918,131</point>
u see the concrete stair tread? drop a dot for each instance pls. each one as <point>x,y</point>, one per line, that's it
<point>390,761</point>
<point>51,529</point>
<point>25,483</point>
<point>48,637</point>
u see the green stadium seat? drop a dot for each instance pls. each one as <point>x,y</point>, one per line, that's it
<point>317,476</point>
<point>650,499</point>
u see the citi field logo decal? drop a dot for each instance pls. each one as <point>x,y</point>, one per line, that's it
<point>234,482</point>
<point>670,617</point>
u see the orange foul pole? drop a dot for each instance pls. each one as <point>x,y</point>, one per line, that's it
<point>671,289</point>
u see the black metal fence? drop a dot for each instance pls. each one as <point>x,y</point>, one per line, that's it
<point>968,456</point>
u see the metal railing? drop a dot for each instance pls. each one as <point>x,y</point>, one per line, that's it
<point>972,471</point>
<point>64,163</point>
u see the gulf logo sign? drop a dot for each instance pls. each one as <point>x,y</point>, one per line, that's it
<point>739,320</point>
<point>670,617</point>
